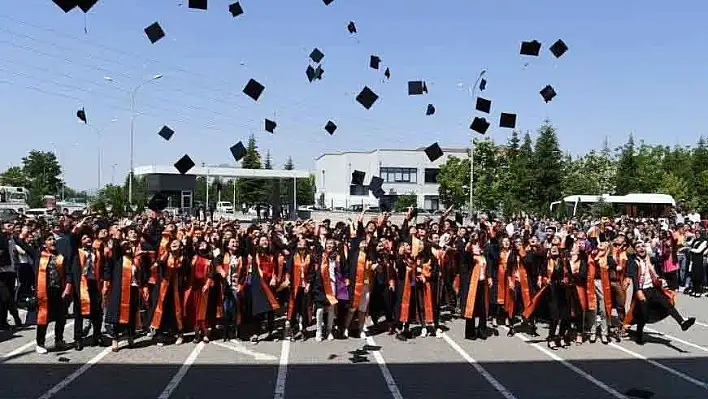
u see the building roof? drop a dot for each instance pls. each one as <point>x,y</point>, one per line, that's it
<point>220,171</point>
<point>419,149</point>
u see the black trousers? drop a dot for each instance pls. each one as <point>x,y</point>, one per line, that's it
<point>56,312</point>
<point>654,295</point>
<point>95,315</point>
<point>7,297</point>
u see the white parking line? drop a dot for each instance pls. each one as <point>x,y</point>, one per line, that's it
<point>572,367</point>
<point>240,348</point>
<point>671,337</point>
<point>698,323</point>
<point>174,382</point>
<point>495,383</point>
<point>76,374</point>
<point>282,370</point>
<point>661,366</point>
<point>390,382</point>
<point>28,345</point>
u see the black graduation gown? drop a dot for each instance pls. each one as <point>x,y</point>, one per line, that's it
<point>113,272</point>
<point>259,296</point>
<point>169,321</point>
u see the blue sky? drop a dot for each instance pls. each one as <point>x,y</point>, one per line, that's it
<point>632,67</point>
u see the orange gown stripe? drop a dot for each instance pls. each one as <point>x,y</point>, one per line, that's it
<point>501,277</point>
<point>169,279</point>
<point>125,277</point>
<point>359,281</point>
<point>84,281</point>
<point>299,264</point>
<point>327,282</point>
<point>42,299</point>
<point>406,295</point>
<point>427,294</point>
<point>274,305</point>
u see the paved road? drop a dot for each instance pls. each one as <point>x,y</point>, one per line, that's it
<point>672,364</point>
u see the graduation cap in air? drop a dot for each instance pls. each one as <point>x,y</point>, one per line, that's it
<point>358,178</point>
<point>548,93</point>
<point>65,5</point>
<point>387,74</point>
<point>270,125</point>
<point>639,393</point>
<point>184,164</point>
<point>482,84</point>
<point>198,4</point>
<point>316,55</point>
<point>85,5</point>
<point>81,114</point>
<point>531,48</point>
<point>238,151</point>
<point>483,105</point>
<point>374,62</point>
<point>253,89</point>
<point>367,98</point>
<point>479,125</point>
<point>375,185</point>
<point>434,152</point>
<point>507,120</point>
<point>154,32</point>
<point>235,9</point>
<point>330,127</point>
<point>351,27</point>
<point>310,72</point>
<point>319,72</point>
<point>158,202</point>
<point>558,48</point>
<point>430,110</point>
<point>327,2</point>
<point>416,88</point>
<point>166,133</point>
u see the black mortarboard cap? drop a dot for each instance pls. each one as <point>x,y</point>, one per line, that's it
<point>415,88</point>
<point>358,178</point>
<point>482,84</point>
<point>319,72</point>
<point>548,93</point>
<point>166,133</point>
<point>558,48</point>
<point>479,125</point>
<point>253,89</point>
<point>310,72</point>
<point>639,393</point>
<point>530,48</point>
<point>483,105</point>
<point>507,120</point>
<point>270,125</point>
<point>158,202</point>
<point>65,5</point>
<point>198,4</point>
<point>327,2</point>
<point>387,74</point>
<point>375,184</point>
<point>351,27</point>
<point>81,114</point>
<point>316,55</point>
<point>459,218</point>
<point>434,152</point>
<point>154,32</point>
<point>367,98</point>
<point>235,9</point>
<point>85,5</point>
<point>330,127</point>
<point>184,164</point>
<point>430,110</point>
<point>378,194</point>
<point>238,151</point>
<point>374,62</point>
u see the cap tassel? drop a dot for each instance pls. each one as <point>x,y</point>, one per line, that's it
<point>85,24</point>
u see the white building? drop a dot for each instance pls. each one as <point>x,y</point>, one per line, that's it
<point>404,172</point>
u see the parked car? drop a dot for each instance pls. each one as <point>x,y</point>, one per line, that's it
<point>8,215</point>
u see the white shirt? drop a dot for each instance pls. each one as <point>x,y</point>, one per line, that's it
<point>645,275</point>
<point>333,274</point>
<point>483,271</point>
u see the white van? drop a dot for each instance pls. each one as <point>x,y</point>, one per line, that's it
<point>224,207</point>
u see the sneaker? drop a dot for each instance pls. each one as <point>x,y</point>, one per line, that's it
<point>205,339</point>
<point>424,332</point>
<point>179,340</point>
<point>362,335</point>
<point>438,333</point>
<point>59,345</point>
<point>688,323</point>
<point>41,350</point>
<point>330,337</point>
<point>346,333</point>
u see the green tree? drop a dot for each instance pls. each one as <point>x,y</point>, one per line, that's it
<point>673,185</point>
<point>488,169</point>
<point>546,168</point>
<point>14,176</point>
<point>453,180</point>
<point>140,193</point>
<point>625,181</point>
<point>251,189</point>
<point>405,201</point>
<point>114,197</point>
<point>43,172</point>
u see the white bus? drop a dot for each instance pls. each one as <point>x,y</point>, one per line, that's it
<point>634,205</point>
<point>13,198</point>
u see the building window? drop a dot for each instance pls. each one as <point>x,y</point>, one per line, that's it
<point>358,190</point>
<point>399,175</point>
<point>431,175</point>
<point>431,203</point>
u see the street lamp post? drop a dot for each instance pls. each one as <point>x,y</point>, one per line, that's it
<point>132,131</point>
<point>98,137</point>
<point>473,93</point>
